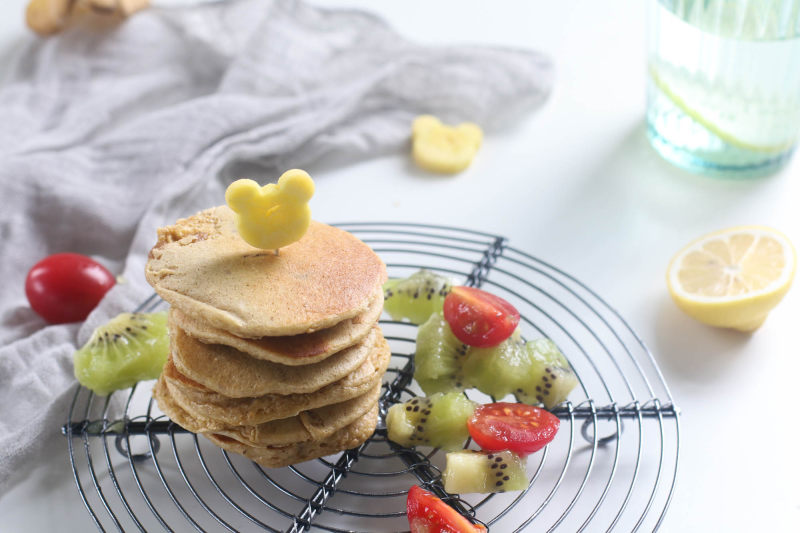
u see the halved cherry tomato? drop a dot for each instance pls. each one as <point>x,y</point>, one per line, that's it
<point>429,514</point>
<point>66,287</point>
<point>517,427</point>
<point>479,318</point>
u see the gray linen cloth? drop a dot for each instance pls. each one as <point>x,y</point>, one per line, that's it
<point>108,133</point>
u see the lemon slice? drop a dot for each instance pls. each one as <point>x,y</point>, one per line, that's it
<point>691,96</point>
<point>734,277</point>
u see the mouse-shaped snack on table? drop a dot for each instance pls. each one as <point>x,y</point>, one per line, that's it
<point>441,148</point>
<point>47,17</point>
<point>274,215</point>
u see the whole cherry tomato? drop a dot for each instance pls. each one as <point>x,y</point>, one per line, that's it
<point>479,318</point>
<point>428,514</point>
<point>66,287</point>
<point>517,427</point>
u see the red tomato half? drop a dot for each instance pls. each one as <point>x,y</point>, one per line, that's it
<point>66,287</point>
<point>429,514</point>
<point>479,318</point>
<point>517,427</point>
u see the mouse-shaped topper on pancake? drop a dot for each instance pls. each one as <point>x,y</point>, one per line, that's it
<point>274,215</point>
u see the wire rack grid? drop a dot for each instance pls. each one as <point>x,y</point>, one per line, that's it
<point>612,466</point>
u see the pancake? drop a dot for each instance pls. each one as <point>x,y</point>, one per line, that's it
<point>202,402</point>
<point>310,425</point>
<point>234,374</point>
<point>317,424</point>
<point>288,350</point>
<point>204,268</point>
<point>346,438</point>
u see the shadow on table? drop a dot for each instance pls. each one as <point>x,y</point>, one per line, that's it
<point>697,352</point>
<point>637,197</point>
<point>635,177</point>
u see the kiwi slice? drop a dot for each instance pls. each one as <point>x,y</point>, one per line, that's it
<point>536,371</point>
<point>439,356</point>
<point>416,297</point>
<point>473,471</point>
<point>131,347</point>
<point>499,370</point>
<point>548,379</point>
<point>439,421</point>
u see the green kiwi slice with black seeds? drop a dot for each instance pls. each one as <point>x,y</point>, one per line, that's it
<point>469,471</point>
<point>131,347</point>
<point>548,378</point>
<point>534,371</point>
<point>500,370</point>
<point>439,421</point>
<point>416,297</point>
<point>439,357</point>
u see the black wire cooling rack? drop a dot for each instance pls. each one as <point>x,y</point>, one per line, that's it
<point>612,466</point>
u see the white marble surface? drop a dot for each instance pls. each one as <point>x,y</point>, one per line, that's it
<point>586,193</point>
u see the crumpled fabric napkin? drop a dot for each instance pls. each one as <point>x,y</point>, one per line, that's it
<point>108,133</point>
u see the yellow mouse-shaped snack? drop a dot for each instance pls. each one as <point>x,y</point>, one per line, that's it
<point>274,215</point>
<point>441,148</point>
<point>47,17</point>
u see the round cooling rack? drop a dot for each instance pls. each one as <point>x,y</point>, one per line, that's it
<point>612,465</point>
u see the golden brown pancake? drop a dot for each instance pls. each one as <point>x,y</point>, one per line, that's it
<point>290,350</point>
<point>315,424</point>
<point>237,375</point>
<point>203,402</point>
<point>204,268</point>
<point>277,456</point>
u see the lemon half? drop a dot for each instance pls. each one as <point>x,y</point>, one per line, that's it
<point>734,277</point>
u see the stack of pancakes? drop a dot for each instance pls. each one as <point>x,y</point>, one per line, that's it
<point>277,357</point>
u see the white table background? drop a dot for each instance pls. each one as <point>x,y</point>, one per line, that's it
<point>586,193</point>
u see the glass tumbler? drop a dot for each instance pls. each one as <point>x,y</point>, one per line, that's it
<point>723,88</point>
